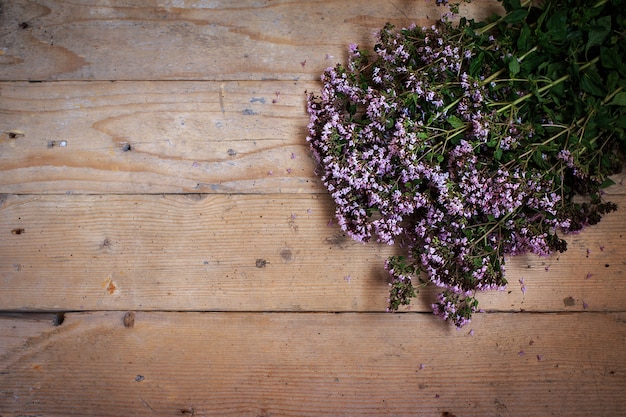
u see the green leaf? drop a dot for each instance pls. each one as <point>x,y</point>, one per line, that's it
<point>611,81</point>
<point>497,154</point>
<point>352,108</point>
<point>619,99</point>
<point>512,4</point>
<point>557,26</point>
<point>558,90</point>
<point>607,183</point>
<point>516,16</point>
<point>522,40</point>
<point>514,66</point>
<point>476,65</point>
<point>612,58</point>
<point>592,83</point>
<point>609,57</point>
<point>455,122</point>
<point>532,62</point>
<point>600,30</point>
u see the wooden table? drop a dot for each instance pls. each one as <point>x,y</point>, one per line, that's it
<point>168,250</point>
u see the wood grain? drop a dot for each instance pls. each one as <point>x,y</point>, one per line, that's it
<point>238,364</point>
<point>167,249</point>
<point>155,137</point>
<point>186,39</point>
<point>252,253</point>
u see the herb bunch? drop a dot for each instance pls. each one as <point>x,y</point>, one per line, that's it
<point>467,143</point>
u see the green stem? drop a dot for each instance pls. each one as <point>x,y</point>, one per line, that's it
<point>546,87</point>
<point>501,70</point>
<point>449,106</point>
<point>613,94</point>
<point>497,225</point>
<point>545,142</point>
<point>481,31</point>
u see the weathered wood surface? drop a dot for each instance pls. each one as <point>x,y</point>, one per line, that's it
<point>295,364</point>
<point>165,246</point>
<point>155,137</point>
<point>252,253</point>
<point>189,39</point>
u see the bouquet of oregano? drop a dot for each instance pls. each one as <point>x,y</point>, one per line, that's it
<point>468,142</point>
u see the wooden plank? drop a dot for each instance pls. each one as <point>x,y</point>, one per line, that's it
<point>24,326</point>
<point>155,137</point>
<point>252,253</point>
<point>185,39</point>
<point>238,364</point>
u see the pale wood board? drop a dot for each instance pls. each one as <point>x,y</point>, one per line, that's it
<point>155,137</point>
<point>252,253</point>
<point>306,364</point>
<point>188,39</point>
<point>167,249</point>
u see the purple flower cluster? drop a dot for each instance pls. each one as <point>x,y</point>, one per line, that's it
<point>413,149</point>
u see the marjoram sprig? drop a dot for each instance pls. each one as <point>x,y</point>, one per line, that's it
<point>466,143</point>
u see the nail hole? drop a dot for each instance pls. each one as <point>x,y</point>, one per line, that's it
<point>18,231</point>
<point>14,134</point>
<point>127,147</point>
<point>58,319</point>
<point>24,25</point>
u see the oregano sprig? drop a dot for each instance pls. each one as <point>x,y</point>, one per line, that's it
<point>466,143</point>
